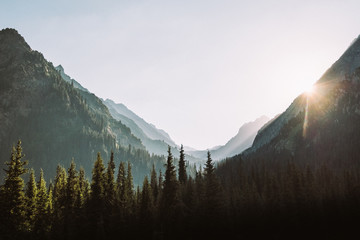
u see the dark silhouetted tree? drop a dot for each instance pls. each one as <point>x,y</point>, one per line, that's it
<point>182,166</point>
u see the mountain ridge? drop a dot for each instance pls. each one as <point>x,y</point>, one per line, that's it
<point>55,120</point>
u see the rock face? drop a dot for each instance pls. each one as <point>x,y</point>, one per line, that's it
<point>54,120</point>
<point>323,126</point>
<point>243,140</point>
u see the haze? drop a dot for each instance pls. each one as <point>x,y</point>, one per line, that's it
<point>197,69</point>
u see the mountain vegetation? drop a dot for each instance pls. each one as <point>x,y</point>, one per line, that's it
<point>247,199</point>
<point>55,120</point>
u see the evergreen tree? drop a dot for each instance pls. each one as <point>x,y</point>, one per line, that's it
<point>82,195</point>
<point>97,196</point>
<point>129,190</point>
<point>42,220</point>
<point>72,192</point>
<point>154,183</point>
<point>146,203</point>
<point>31,191</point>
<point>213,198</point>
<point>121,187</point>
<point>59,200</point>
<point>170,191</point>
<point>110,193</point>
<point>110,188</point>
<point>13,193</point>
<point>72,188</point>
<point>182,166</point>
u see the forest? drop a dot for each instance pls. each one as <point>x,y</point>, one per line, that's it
<point>238,199</point>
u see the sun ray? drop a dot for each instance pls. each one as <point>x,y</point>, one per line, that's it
<point>305,125</point>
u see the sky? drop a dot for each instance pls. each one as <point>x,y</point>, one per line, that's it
<point>197,69</point>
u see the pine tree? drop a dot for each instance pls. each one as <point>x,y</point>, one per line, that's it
<point>59,200</point>
<point>121,187</point>
<point>110,193</point>
<point>110,188</point>
<point>31,191</point>
<point>154,183</point>
<point>170,191</point>
<point>97,196</point>
<point>213,197</point>
<point>42,223</point>
<point>146,203</point>
<point>72,188</point>
<point>98,181</point>
<point>71,192</point>
<point>13,192</point>
<point>129,190</point>
<point>182,166</point>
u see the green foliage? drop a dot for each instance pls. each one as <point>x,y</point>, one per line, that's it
<point>31,198</point>
<point>146,203</point>
<point>42,223</point>
<point>110,188</point>
<point>13,192</point>
<point>220,202</point>
<point>98,182</point>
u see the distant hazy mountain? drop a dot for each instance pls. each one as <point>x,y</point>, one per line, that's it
<point>68,79</point>
<point>322,126</point>
<point>119,110</point>
<point>243,140</point>
<point>56,119</point>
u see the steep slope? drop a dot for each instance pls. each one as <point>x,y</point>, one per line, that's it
<point>55,120</point>
<point>153,146</point>
<point>345,66</point>
<point>322,126</point>
<point>70,80</point>
<point>243,140</point>
<point>122,113</point>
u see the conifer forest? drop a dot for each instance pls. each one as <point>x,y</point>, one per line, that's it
<point>257,199</point>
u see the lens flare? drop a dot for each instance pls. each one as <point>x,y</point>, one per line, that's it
<point>306,120</point>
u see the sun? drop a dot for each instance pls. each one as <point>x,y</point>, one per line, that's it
<point>310,90</point>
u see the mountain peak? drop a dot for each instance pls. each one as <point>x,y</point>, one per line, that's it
<point>60,68</point>
<point>11,39</point>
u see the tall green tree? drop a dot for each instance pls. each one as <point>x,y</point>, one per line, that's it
<point>146,203</point>
<point>59,200</point>
<point>130,200</point>
<point>31,191</point>
<point>110,194</point>
<point>154,183</point>
<point>72,193</point>
<point>110,188</point>
<point>213,195</point>
<point>72,188</point>
<point>13,192</point>
<point>169,199</point>
<point>97,197</point>
<point>121,187</point>
<point>82,191</point>
<point>42,223</point>
<point>182,166</point>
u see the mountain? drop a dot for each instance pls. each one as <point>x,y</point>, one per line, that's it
<point>120,111</point>
<point>241,141</point>
<point>57,120</point>
<point>70,80</point>
<point>322,126</point>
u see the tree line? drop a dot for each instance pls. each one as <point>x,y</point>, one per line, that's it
<point>245,199</point>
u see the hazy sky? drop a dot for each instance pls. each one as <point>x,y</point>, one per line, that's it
<point>197,69</point>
